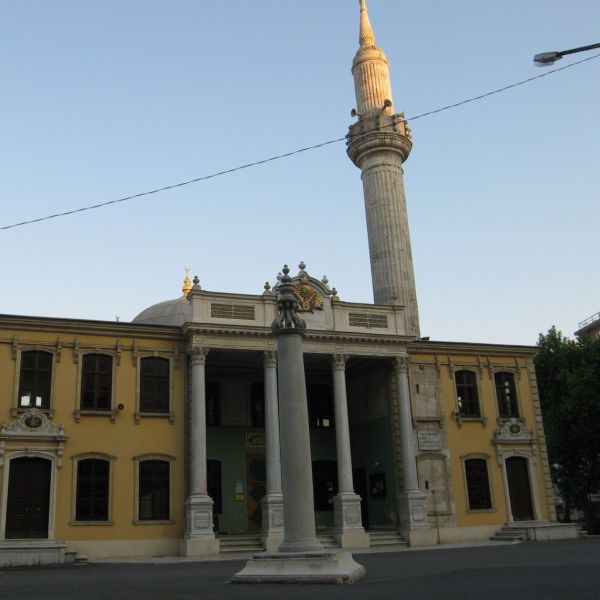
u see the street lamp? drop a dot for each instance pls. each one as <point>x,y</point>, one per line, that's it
<point>545,59</point>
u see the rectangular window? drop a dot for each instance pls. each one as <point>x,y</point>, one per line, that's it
<point>154,476</point>
<point>478,486</point>
<point>35,379</point>
<point>154,384</point>
<point>506,394</point>
<point>92,490</point>
<point>96,382</point>
<point>467,394</point>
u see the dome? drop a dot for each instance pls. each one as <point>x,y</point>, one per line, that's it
<point>171,312</point>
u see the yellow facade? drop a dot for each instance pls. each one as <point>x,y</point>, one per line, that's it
<point>480,436</point>
<point>116,435</point>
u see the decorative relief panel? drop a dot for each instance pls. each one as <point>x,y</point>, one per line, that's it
<point>424,392</point>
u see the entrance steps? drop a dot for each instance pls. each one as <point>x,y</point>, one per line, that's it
<point>327,540</point>
<point>238,543</point>
<point>386,538</point>
<point>535,531</point>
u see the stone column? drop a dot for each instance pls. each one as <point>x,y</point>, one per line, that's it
<point>348,528</point>
<point>199,535</point>
<point>412,502</point>
<point>272,502</point>
<point>300,558</point>
<point>296,464</point>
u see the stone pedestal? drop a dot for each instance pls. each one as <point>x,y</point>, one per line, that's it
<point>348,530</point>
<point>414,526</point>
<point>272,521</point>
<point>301,567</point>
<point>199,538</point>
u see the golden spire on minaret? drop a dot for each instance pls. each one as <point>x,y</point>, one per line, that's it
<point>366,37</point>
<point>187,282</point>
<point>371,72</point>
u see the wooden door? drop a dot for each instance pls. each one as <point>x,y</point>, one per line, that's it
<point>519,489</point>
<point>28,499</point>
<point>257,487</point>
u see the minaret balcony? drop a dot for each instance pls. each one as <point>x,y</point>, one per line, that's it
<point>383,132</point>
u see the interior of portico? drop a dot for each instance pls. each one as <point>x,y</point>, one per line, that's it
<point>236,439</point>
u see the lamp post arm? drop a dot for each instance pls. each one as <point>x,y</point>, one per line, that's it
<point>545,59</point>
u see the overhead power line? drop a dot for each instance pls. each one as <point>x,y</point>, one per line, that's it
<point>288,154</point>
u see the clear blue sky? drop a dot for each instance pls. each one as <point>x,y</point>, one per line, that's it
<point>105,99</point>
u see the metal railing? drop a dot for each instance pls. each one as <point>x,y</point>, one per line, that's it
<point>589,320</point>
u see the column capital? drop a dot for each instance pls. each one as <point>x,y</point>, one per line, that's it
<point>198,355</point>
<point>338,362</point>
<point>269,359</point>
<point>401,364</point>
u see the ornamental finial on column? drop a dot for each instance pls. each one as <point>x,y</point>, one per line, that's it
<point>287,318</point>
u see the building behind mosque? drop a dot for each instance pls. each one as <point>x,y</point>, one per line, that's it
<point>152,437</point>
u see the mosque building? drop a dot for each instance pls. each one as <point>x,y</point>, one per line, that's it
<point>160,436</point>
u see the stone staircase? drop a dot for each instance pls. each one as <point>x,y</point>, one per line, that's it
<point>327,540</point>
<point>510,533</point>
<point>240,543</point>
<point>535,531</point>
<point>386,538</point>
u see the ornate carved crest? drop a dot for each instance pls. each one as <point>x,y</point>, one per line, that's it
<point>308,298</point>
<point>513,431</point>
<point>32,424</point>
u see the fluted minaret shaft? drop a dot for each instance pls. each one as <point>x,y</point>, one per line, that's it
<point>379,143</point>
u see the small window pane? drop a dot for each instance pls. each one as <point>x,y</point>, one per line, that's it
<point>35,379</point>
<point>92,490</point>
<point>154,385</point>
<point>154,490</point>
<point>478,487</point>
<point>467,394</point>
<point>96,382</point>
<point>506,394</point>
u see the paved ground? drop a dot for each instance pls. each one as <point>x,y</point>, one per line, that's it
<point>562,570</point>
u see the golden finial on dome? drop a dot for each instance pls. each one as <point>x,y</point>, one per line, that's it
<point>187,282</point>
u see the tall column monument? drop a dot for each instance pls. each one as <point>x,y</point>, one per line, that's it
<point>300,558</point>
<point>378,144</point>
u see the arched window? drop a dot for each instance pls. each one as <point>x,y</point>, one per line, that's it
<point>467,394</point>
<point>35,379</point>
<point>506,394</point>
<point>96,382</point>
<point>478,485</point>
<point>92,496</point>
<point>154,490</point>
<point>154,384</point>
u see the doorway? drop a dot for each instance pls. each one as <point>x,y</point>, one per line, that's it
<point>28,498</point>
<point>519,488</point>
<point>257,487</point>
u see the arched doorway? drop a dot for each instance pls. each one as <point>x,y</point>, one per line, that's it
<point>28,498</point>
<point>519,488</point>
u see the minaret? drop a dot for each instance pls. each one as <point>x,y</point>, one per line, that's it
<point>378,144</point>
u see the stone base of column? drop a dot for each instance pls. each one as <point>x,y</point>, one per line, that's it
<point>348,530</point>
<point>199,538</point>
<point>272,521</point>
<point>414,526</point>
<point>335,566</point>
